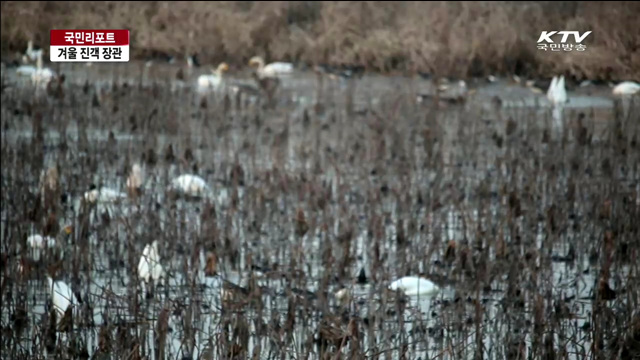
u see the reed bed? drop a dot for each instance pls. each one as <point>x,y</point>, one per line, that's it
<point>454,39</point>
<point>533,234</point>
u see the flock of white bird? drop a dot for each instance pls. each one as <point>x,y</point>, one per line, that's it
<point>216,81</point>
<point>149,267</point>
<point>188,185</point>
<point>38,243</point>
<point>557,96</point>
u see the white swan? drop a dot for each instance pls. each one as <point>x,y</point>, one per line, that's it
<point>42,75</point>
<point>26,70</point>
<point>61,296</point>
<point>135,179</point>
<point>413,285</point>
<point>557,95</point>
<point>551,88</point>
<point>190,185</point>
<point>271,70</point>
<point>343,296</point>
<point>626,88</point>
<point>104,194</point>
<point>32,53</point>
<point>556,92</point>
<point>149,267</point>
<point>460,92</point>
<point>214,80</point>
<point>37,242</point>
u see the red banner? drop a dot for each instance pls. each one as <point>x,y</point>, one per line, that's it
<point>89,37</point>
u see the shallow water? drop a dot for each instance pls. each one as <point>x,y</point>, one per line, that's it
<point>463,180</point>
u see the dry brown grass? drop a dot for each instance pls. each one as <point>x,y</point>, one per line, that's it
<point>447,38</point>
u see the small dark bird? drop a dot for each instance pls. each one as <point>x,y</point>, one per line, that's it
<point>210,267</point>
<point>301,224</point>
<point>169,156</point>
<point>605,292</point>
<point>450,253</point>
<point>362,277</point>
